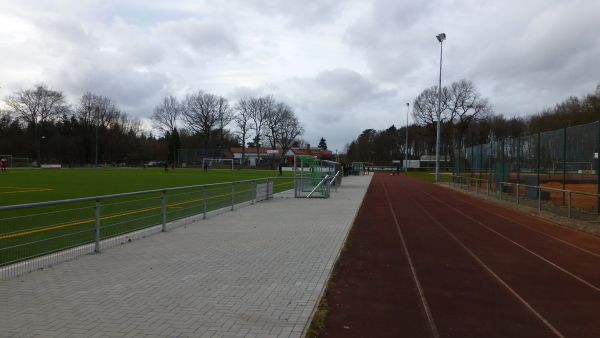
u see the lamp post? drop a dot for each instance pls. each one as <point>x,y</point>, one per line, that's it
<point>406,140</point>
<point>96,137</point>
<point>440,37</point>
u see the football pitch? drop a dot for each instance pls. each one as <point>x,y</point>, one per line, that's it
<point>20,186</point>
<point>30,232</point>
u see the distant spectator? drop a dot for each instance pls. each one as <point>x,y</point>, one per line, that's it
<point>280,169</point>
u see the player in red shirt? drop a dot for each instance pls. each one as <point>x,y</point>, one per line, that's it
<point>3,164</point>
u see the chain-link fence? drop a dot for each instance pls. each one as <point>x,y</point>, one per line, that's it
<point>557,169</point>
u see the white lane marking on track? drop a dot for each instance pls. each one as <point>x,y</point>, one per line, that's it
<point>556,266</point>
<point>432,326</point>
<point>532,229</point>
<point>491,272</point>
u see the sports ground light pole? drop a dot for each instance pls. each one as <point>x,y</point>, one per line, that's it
<point>441,37</point>
<point>406,140</point>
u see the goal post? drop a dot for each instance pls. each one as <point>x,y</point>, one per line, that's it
<point>9,159</point>
<point>217,163</point>
<point>17,162</point>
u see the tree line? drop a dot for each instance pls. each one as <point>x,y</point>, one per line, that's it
<point>40,124</point>
<point>467,119</point>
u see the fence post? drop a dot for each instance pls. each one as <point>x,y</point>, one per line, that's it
<point>598,170</point>
<point>164,211</point>
<point>232,195</point>
<point>204,200</point>
<point>564,163</point>
<point>501,188</point>
<point>253,191</point>
<point>537,157</point>
<point>517,193</point>
<point>539,198</point>
<point>518,159</point>
<point>268,184</point>
<point>569,205</point>
<point>97,244</point>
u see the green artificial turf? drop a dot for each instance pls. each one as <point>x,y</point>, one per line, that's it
<point>30,232</point>
<point>19,186</point>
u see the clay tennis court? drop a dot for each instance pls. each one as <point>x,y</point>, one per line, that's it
<point>427,261</point>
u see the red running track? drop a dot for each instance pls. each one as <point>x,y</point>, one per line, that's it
<point>426,261</point>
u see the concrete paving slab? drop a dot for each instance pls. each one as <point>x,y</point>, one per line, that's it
<point>256,271</point>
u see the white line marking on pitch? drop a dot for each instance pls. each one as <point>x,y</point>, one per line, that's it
<point>556,266</point>
<point>432,326</point>
<point>491,272</point>
<point>533,229</point>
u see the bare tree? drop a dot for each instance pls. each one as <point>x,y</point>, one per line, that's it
<point>273,122</point>
<point>461,105</point>
<point>425,107</point>
<point>98,114</point>
<point>465,106</point>
<point>288,130</point>
<point>260,108</point>
<point>166,114</point>
<point>201,114</point>
<point>37,106</point>
<point>97,110</point>
<point>242,122</point>
<point>224,116</point>
<point>165,118</point>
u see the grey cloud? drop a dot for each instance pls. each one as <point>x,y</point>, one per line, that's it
<point>134,91</point>
<point>336,104</point>
<point>334,94</point>
<point>202,36</point>
<point>300,14</point>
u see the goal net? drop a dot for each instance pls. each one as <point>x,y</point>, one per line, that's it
<point>217,163</point>
<point>17,162</point>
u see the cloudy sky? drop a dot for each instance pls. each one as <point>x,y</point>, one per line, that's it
<point>343,66</point>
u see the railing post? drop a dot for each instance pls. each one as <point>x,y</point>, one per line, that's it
<point>501,188</point>
<point>232,195</point>
<point>487,188</point>
<point>97,244</point>
<point>517,193</point>
<point>253,191</point>
<point>539,198</point>
<point>164,211</point>
<point>477,187</point>
<point>268,184</point>
<point>569,205</point>
<point>204,202</point>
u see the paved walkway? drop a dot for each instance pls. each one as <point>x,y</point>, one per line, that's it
<point>255,272</point>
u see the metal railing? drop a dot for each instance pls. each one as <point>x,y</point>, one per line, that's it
<point>31,230</point>
<point>311,187</point>
<point>570,203</point>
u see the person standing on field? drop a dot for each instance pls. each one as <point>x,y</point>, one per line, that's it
<point>3,164</point>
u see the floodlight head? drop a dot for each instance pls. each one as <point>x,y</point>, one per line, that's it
<point>441,37</point>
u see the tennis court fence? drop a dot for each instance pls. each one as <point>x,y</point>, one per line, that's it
<point>554,163</point>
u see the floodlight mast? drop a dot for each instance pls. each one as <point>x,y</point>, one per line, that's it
<point>406,140</point>
<point>440,37</point>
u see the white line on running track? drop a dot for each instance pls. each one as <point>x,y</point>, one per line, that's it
<point>432,326</point>
<point>491,272</point>
<point>532,229</point>
<point>583,281</point>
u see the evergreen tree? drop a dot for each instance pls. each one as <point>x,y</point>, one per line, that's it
<point>322,144</point>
